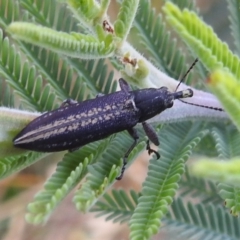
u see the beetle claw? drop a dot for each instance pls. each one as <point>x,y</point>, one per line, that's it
<point>150,150</point>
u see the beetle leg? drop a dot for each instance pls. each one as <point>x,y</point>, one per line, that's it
<point>124,86</point>
<point>150,132</point>
<point>150,150</point>
<point>68,102</point>
<point>134,135</point>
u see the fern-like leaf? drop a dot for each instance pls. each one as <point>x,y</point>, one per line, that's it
<point>155,37</point>
<point>74,45</point>
<point>23,78</point>
<point>86,11</point>
<point>118,205</point>
<point>227,142</point>
<point>199,189</point>
<point>68,173</point>
<point>60,71</point>
<point>104,172</point>
<point>233,6</point>
<point>162,180</point>
<point>197,221</point>
<point>226,87</point>
<point>231,196</point>
<point>191,5</point>
<point>9,11</point>
<point>6,95</point>
<point>41,13</point>
<point>13,164</point>
<point>125,18</point>
<point>202,40</point>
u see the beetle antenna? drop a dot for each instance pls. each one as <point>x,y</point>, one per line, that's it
<point>194,104</point>
<point>203,106</point>
<point>191,67</point>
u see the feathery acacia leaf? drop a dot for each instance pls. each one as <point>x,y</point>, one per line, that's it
<point>202,40</point>
<point>125,18</point>
<point>68,173</point>
<point>191,5</point>
<point>23,78</point>
<point>6,96</point>
<point>227,88</point>
<point>199,189</point>
<point>9,11</point>
<point>87,10</point>
<point>197,221</point>
<point>226,169</point>
<point>117,205</point>
<point>13,164</point>
<point>41,12</point>
<point>103,173</point>
<point>162,180</point>
<point>231,196</point>
<point>155,37</point>
<point>233,6</point>
<point>61,71</point>
<point>227,142</point>
<point>74,45</point>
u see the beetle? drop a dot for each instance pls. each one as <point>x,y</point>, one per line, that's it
<point>76,124</point>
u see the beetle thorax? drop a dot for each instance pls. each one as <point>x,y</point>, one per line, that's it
<point>152,101</point>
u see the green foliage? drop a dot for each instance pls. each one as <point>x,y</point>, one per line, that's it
<point>68,173</point>
<point>224,84</point>
<point>125,18</point>
<point>155,39</point>
<point>103,173</point>
<point>228,147</point>
<point>40,72</point>
<point>202,40</point>
<point>225,171</point>
<point>74,44</point>
<point>198,188</point>
<point>6,97</point>
<point>162,182</point>
<point>198,221</point>
<point>235,22</point>
<point>231,195</point>
<point>118,205</point>
<point>87,9</point>
<point>226,88</point>
<point>13,164</point>
<point>19,76</point>
<point>227,142</point>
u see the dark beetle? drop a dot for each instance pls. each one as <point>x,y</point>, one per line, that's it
<point>76,124</point>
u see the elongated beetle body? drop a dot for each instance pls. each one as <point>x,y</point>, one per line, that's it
<point>76,124</point>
